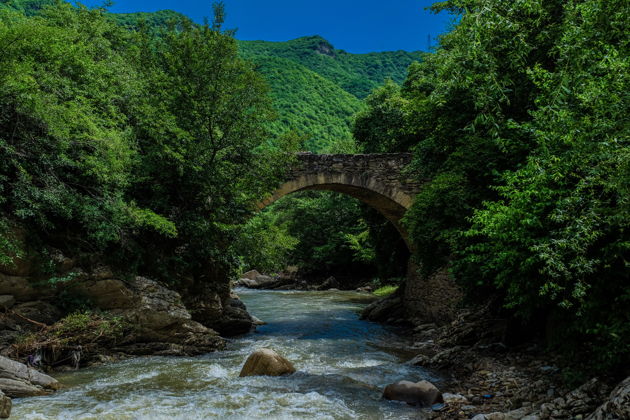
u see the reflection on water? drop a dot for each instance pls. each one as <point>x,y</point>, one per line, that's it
<point>343,364</point>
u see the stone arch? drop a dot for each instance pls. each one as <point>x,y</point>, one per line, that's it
<point>374,179</point>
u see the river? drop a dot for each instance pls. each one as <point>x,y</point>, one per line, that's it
<point>343,364</point>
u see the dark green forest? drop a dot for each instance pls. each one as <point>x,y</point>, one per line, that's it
<point>145,139</point>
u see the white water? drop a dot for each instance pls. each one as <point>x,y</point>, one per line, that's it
<point>343,364</point>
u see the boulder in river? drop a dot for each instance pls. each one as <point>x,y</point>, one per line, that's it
<point>266,362</point>
<point>422,393</point>
<point>261,281</point>
<point>250,275</point>
<point>18,380</point>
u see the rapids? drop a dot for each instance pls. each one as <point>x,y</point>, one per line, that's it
<point>343,364</point>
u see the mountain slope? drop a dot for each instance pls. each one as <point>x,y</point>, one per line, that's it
<point>316,89</point>
<point>309,104</point>
<point>355,73</point>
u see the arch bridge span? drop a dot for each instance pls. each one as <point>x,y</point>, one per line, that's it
<point>376,179</point>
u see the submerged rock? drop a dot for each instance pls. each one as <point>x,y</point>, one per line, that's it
<point>422,393</point>
<point>266,362</point>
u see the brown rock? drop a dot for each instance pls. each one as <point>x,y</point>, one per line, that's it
<point>106,294</point>
<point>329,283</point>
<point>20,287</point>
<point>422,393</point>
<point>5,406</point>
<point>385,309</point>
<point>266,362</point>
<point>157,313</point>
<point>250,275</point>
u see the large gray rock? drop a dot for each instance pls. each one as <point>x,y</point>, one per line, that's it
<point>617,406</point>
<point>18,380</point>
<point>156,312</point>
<point>249,283</point>
<point>234,319</point>
<point>261,281</point>
<point>266,362</point>
<point>5,406</point>
<point>422,393</point>
<point>250,275</point>
<point>227,315</point>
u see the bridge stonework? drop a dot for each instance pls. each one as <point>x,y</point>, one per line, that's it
<point>376,179</point>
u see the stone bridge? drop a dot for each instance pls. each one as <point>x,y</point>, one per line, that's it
<point>379,181</point>
<point>375,179</point>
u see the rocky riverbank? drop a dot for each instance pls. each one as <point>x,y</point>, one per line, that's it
<point>77,314</point>
<point>291,280</point>
<point>486,379</point>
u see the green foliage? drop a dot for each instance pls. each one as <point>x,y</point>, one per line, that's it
<point>265,243</point>
<point>9,246</point>
<point>155,20</point>
<point>320,222</point>
<point>308,104</point>
<point>519,128</point>
<point>81,329</point>
<point>385,290</point>
<point>26,7</point>
<point>560,233</point>
<point>148,147</point>
<point>381,127</point>
<point>358,74</point>
<point>66,152</point>
<point>81,323</point>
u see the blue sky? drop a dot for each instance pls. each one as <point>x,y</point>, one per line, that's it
<point>357,26</point>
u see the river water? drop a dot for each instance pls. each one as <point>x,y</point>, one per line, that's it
<point>342,365</point>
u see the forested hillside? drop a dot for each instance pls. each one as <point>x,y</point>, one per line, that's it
<point>315,92</point>
<point>316,89</point>
<point>355,73</point>
<point>520,122</point>
<point>309,104</point>
<point>112,142</point>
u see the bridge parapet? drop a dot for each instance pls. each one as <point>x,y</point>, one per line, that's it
<point>384,168</point>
